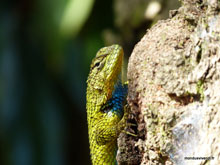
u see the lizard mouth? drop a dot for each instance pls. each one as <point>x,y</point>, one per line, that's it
<point>113,65</point>
<point>114,62</point>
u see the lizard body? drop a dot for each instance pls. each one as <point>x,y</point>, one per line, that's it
<point>106,97</point>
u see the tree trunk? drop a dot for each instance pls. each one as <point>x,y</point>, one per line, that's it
<point>174,90</point>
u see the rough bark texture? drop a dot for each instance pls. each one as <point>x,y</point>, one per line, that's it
<point>174,90</point>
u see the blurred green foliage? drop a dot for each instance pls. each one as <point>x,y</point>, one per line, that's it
<point>45,51</point>
<point>75,15</point>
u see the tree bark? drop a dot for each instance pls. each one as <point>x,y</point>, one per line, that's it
<point>174,90</point>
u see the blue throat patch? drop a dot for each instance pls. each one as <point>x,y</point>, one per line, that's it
<point>116,103</point>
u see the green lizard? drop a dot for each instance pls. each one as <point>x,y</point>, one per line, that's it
<point>106,97</point>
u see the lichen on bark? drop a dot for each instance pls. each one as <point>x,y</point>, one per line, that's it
<point>174,89</point>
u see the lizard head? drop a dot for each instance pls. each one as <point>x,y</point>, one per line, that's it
<point>105,69</point>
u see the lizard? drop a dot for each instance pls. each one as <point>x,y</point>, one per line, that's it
<point>105,104</point>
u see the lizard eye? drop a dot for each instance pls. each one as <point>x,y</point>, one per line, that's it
<point>97,64</point>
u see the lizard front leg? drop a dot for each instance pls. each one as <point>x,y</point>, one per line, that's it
<point>110,126</point>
